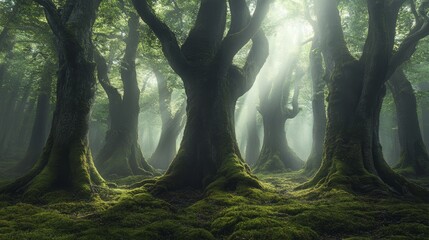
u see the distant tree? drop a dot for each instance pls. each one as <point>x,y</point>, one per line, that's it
<point>172,124</point>
<point>318,76</point>
<point>414,158</point>
<point>41,121</point>
<point>276,107</point>
<point>121,154</point>
<point>253,146</point>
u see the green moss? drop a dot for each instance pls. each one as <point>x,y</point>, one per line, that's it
<point>232,175</point>
<point>406,230</point>
<point>275,211</point>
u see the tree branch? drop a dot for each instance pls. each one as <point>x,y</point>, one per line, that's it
<point>52,15</point>
<point>234,41</point>
<point>103,78</point>
<point>409,44</point>
<point>170,45</point>
<point>331,32</point>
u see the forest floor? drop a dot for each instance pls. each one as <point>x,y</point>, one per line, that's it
<point>277,212</point>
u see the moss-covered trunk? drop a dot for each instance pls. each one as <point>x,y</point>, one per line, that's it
<point>353,158</point>
<point>208,154</point>
<point>66,163</point>
<point>414,159</point>
<point>121,155</point>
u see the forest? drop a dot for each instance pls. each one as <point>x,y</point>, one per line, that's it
<point>214,119</point>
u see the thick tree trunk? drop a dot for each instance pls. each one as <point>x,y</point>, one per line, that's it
<point>414,158</point>
<point>353,158</point>
<point>253,146</point>
<point>208,155</point>
<point>39,131</point>
<point>171,126</point>
<point>121,155</point>
<point>66,163</point>
<point>318,107</point>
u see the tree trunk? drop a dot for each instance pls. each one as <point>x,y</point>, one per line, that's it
<point>318,107</point>
<point>39,132</point>
<point>414,158</point>
<point>276,155</point>
<point>253,146</point>
<point>353,159</point>
<point>209,157</point>
<point>208,154</point>
<point>66,163</point>
<point>425,115</point>
<point>22,136</point>
<point>171,126</point>
<point>14,120</point>
<point>121,155</point>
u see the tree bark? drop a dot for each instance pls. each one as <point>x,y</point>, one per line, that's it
<point>414,158</point>
<point>39,132</point>
<point>171,126</point>
<point>66,163</point>
<point>209,156</point>
<point>318,107</point>
<point>121,155</point>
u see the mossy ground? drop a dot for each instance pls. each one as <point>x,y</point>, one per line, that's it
<point>276,212</point>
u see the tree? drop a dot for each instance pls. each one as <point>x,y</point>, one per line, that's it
<point>414,158</point>
<point>209,155</point>
<point>41,121</point>
<point>318,101</point>
<point>172,124</point>
<point>352,153</point>
<point>66,163</point>
<point>121,155</point>
<point>276,155</point>
<point>425,115</point>
<point>253,145</point>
